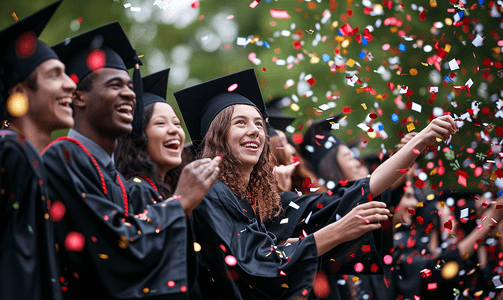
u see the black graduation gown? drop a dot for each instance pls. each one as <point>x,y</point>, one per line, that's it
<point>412,256</point>
<point>319,210</point>
<point>307,214</point>
<point>144,193</point>
<point>28,268</point>
<point>123,257</point>
<point>241,259</point>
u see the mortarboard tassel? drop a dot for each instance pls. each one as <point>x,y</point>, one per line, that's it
<point>138,90</point>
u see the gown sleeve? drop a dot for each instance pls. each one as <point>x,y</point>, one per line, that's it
<point>103,252</point>
<point>241,256</point>
<point>307,214</point>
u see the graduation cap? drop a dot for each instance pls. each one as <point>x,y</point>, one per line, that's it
<point>154,87</point>
<point>201,103</point>
<point>21,51</point>
<point>104,47</point>
<point>318,141</point>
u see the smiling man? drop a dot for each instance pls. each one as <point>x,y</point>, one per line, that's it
<point>107,249</point>
<point>35,97</point>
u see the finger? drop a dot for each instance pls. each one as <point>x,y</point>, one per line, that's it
<point>206,170</point>
<point>372,204</point>
<point>374,211</point>
<point>212,178</point>
<point>373,226</point>
<point>199,162</point>
<point>377,218</point>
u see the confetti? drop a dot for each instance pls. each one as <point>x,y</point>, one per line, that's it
<point>254,3</point>
<point>14,16</point>
<point>57,211</point>
<point>74,241</point>
<point>17,105</point>
<point>279,14</point>
<point>232,87</point>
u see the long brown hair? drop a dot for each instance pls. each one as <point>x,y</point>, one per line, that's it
<point>262,184</point>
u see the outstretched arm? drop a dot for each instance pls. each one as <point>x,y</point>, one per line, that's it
<point>387,173</point>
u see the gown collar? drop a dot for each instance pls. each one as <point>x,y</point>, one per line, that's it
<point>99,153</point>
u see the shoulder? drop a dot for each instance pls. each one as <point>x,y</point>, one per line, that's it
<point>16,151</point>
<point>67,151</point>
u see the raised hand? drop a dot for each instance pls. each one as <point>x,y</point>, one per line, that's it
<point>361,219</point>
<point>195,181</point>
<point>284,175</point>
<point>439,129</point>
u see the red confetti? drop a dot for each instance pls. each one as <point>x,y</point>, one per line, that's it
<point>96,60</point>
<point>279,14</point>
<point>80,19</point>
<point>419,220</point>
<point>195,4</point>
<point>422,15</point>
<point>297,45</point>
<point>75,241</point>
<point>416,151</point>
<point>57,211</point>
<point>346,109</point>
<point>403,171</point>
<point>26,45</point>
<point>499,131</point>
<point>388,259</point>
<point>432,286</point>
<point>171,283</point>
<point>359,267</point>
<point>183,289</point>
<point>230,260</point>
<point>282,273</point>
<point>321,286</point>
<point>254,3</point>
<point>425,273</point>
<point>365,248</point>
<point>74,78</point>
<point>373,116</point>
<point>232,87</point>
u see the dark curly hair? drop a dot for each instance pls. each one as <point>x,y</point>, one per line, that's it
<point>132,158</point>
<point>262,182</point>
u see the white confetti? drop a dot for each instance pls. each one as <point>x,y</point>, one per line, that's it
<point>294,205</point>
<point>416,107</point>
<point>127,5</point>
<point>308,217</point>
<point>284,221</point>
<point>453,64</point>
<point>478,41</point>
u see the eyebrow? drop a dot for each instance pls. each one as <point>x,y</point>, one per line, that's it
<point>245,117</point>
<point>118,78</point>
<point>55,68</point>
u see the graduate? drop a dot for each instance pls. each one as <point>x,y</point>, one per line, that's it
<point>420,270</point>
<point>107,248</point>
<point>241,259</point>
<point>153,163</point>
<point>35,97</point>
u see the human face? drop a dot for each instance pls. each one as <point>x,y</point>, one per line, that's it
<point>246,136</point>
<point>351,167</point>
<point>407,203</point>
<point>49,103</point>
<point>289,149</point>
<point>165,138</point>
<point>111,102</point>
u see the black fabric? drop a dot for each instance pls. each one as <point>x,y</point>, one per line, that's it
<point>226,227</point>
<point>17,41</point>
<point>318,141</point>
<point>310,213</point>
<point>111,43</point>
<point>280,122</point>
<point>123,257</point>
<point>154,87</point>
<point>28,268</point>
<point>21,51</point>
<point>200,104</point>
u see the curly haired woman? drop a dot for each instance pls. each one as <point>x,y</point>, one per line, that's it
<point>241,258</point>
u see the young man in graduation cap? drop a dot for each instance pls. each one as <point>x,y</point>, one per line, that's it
<point>35,97</point>
<point>106,249</point>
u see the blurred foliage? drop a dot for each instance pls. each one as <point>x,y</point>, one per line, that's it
<point>302,40</point>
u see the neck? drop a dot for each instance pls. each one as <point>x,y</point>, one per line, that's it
<point>108,143</point>
<point>245,173</point>
<point>39,136</point>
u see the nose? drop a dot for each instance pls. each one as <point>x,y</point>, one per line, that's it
<point>253,130</point>
<point>69,84</point>
<point>129,94</point>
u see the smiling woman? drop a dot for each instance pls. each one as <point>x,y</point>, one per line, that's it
<point>240,258</point>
